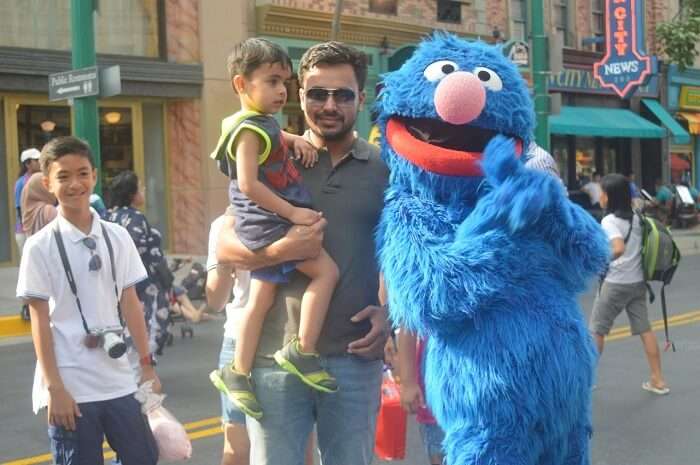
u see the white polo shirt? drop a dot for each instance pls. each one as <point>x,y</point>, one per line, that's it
<point>241,286</point>
<point>89,375</point>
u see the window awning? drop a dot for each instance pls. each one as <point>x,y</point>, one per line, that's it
<point>693,120</point>
<point>680,135</point>
<point>603,122</point>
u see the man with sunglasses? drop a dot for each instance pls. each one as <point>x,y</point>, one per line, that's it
<point>347,185</point>
<point>77,275</point>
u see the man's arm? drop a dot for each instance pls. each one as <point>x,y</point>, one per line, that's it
<point>411,395</point>
<point>62,409</point>
<point>300,243</point>
<point>219,285</point>
<point>132,311</point>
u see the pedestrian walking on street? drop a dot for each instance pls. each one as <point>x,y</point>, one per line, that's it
<point>38,205</point>
<point>623,287</point>
<point>347,185</point>
<point>78,274</point>
<point>127,196</point>
<point>29,165</point>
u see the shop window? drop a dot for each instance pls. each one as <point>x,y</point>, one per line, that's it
<point>585,159</point>
<point>449,11</point>
<point>116,142</point>
<point>560,153</point>
<point>598,24</point>
<point>38,124</point>
<point>155,178</point>
<point>386,7</point>
<point>561,21</point>
<point>123,27</point>
<point>518,20</point>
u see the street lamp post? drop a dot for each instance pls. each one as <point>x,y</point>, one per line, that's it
<point>86,124</point>
<point>540,72</point>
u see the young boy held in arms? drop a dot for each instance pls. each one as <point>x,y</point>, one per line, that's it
<point>268,198</point>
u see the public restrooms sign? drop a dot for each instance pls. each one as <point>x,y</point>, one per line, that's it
<point>624,66</point>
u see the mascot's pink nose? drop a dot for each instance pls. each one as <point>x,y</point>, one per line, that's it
<point>459,98</point>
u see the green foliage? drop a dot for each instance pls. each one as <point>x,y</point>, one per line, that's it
<point>680,36</point>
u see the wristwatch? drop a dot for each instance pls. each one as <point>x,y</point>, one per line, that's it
<point>146,361</point>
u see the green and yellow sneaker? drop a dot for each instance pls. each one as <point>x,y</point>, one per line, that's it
<point>306,366</point>
<point>238,389</point>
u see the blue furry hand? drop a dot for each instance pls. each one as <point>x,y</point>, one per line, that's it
<point>519,196</point>
<point>499,160</point>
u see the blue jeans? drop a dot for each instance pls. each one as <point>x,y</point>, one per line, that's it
<point>119,420</point>
<point>229,412</point>
<point>345,421</point>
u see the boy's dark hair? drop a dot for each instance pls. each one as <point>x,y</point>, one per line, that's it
<point>617,188</point>
<point>335,53</point>
<point>123,188</point>
<point>251,53</point>
<point>62,146</point>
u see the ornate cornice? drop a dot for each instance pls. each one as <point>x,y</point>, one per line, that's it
<point>296,23</point>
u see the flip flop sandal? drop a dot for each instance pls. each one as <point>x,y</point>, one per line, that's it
<point>647,386</point>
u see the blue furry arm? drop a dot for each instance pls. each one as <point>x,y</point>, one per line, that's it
<point>533,203</point>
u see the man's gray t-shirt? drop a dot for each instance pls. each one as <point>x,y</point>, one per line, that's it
<point>351,196</point>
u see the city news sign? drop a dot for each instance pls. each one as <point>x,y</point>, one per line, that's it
<point>624,66</point>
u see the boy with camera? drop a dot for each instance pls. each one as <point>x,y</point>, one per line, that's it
<point>77,275</point>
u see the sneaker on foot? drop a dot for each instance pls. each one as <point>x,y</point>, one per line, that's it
<point>238,389</point>
<point>306,366</point>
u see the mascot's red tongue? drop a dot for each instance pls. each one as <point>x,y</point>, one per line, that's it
<point>459,99</point>
<point>433,158</point>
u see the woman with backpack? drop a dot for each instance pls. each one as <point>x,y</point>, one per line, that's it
<point>623,287</point>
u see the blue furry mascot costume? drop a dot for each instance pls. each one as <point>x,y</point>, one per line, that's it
<point>485,258</point>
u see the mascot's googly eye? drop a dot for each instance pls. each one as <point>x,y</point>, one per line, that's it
<point>440,69</point>
<point>488,78</point>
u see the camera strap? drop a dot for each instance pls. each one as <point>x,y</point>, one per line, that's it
<point>71,280</point>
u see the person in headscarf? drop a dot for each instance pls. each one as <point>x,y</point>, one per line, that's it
<point>38,205</point>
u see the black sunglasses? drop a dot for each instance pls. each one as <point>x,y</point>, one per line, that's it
<point>95,262</point>
<point>320,95</point>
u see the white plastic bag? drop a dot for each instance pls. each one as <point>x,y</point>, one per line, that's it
<point>171,437</point>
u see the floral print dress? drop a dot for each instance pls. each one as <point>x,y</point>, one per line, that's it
<point>156,302</point>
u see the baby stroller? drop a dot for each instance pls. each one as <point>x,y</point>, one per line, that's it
<point>190,288</point>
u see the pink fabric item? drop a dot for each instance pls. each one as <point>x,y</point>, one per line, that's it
<point>170,435</point>
<point>423,415</point>
<point>459,98</point>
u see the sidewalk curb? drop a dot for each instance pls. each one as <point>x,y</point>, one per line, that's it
<point>11,326</point>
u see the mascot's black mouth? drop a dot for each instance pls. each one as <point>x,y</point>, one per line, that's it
<point>439,147</point>
<point>463,138</point>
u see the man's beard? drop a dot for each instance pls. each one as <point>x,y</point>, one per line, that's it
<point>331,135</point>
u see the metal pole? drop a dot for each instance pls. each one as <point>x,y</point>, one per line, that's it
<point>540,72</point>
<point>335,27</point>
<point>85,108</point>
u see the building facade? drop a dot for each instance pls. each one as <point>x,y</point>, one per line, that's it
<point>171,88</point>
<point>176,91</point>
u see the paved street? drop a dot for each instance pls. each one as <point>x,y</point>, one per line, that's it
<point>632,427</point>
